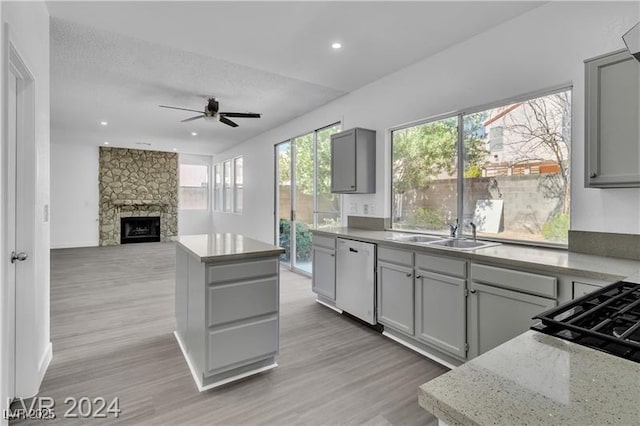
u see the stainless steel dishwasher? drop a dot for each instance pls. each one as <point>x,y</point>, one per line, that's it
<point>355,279</point>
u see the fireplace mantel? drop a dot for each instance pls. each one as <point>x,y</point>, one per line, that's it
<point>140,203</point>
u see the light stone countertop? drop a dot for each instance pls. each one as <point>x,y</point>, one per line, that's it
<point>536,379</point>
<point>223,247</point>
<point>546,259</point>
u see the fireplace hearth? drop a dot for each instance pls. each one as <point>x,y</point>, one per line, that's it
<point>139,229</point>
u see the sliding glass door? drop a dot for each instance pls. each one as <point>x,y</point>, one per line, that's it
<point>303,197</point>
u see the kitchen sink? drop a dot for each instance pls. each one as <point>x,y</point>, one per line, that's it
<point>462,244</point>
<point>415,238</point>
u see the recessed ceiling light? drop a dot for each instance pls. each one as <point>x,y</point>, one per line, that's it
<point>104,123</point>
<point>194,134</point>
<point>336,45</point>
<point>106,143</point>
<point>175,149</point>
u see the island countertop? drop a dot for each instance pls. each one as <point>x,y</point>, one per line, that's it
<point>537,379</point>
<point>226,246</point>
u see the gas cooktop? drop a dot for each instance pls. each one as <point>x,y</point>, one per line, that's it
<point>607,319</point>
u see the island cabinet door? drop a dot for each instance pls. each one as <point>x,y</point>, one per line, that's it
<point>441,312</point>
<point>396,297</point>
<point>323,281</point>
<point>497,315</point>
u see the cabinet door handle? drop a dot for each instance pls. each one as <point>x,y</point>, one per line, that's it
<point>333,255</point>
<point>473,290</point>
<point>409,274</point>
<point>418,276</point>
<point>593,175</point>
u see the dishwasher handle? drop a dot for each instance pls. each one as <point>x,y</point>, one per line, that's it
<point>351,249</point>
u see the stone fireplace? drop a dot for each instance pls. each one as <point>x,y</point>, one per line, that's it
<point>137,184</point>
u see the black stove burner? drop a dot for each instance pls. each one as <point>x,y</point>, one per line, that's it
<point>607,319</point>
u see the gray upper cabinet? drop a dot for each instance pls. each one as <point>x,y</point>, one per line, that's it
<point>353,161</point>
<point>612,111</point>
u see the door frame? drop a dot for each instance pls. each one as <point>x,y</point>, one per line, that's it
<point>20,363</point>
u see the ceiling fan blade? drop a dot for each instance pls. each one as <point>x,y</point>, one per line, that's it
<point>181,109</point>
<point>226,121</point>
<point>192,118</point>
<point>241,114</point>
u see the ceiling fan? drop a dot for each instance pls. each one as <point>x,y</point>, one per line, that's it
<point>211,111</point>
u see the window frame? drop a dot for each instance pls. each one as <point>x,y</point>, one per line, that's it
<point>217,187</point>
<point>460,150</point>
<point>227,208</point>
<point>234,184</point>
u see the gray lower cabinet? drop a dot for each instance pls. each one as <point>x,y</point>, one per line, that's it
<point>227,316</point>
<point>582,289</point>
<point>323,263</point>
<point>496,315</point>
<point>612,107</point>
<point>323,280</point>
<point>441,315</point>
<point>396,297</point>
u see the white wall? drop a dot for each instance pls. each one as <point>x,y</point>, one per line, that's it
<point>543,48</point>
<point>29,32</point>
<point>192,222</point>
<point>74,195</point>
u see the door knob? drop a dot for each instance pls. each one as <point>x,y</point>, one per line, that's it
<point>22,256</point>
<point>473,290</point>
<point>593,175</point>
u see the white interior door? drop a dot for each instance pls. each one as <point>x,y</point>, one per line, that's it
<point>10,231</point>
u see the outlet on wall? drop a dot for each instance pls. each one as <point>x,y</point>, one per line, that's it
<point>372,208</point>
<point>353,208</point>
<point>366,208</point>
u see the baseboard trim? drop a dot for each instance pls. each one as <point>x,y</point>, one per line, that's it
<point>75,245</point>
<point>420,351</point>
<point>45,360</point>
<point>329,306</point>
<point>196,378</point>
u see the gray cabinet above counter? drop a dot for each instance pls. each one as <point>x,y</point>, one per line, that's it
<point>612,113</point>
<point>353,161</point>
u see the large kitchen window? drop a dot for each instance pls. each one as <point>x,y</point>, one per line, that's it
<point>505,168</point>
<point>194,187</point>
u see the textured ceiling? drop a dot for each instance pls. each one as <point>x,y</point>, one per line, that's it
<point>117,61</point>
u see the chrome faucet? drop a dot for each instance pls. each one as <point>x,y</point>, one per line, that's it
<point>473,229</point>
<point>453,229</point>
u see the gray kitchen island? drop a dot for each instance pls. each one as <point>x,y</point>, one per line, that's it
<point>226,306</point>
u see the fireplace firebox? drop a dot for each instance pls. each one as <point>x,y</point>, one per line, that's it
<point>139,229</point>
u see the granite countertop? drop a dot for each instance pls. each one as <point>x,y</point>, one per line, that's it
<point>226,246</point>
<point>537,379</point>
<point>547,259</point>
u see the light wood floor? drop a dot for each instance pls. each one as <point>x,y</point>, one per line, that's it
<point>112,324</point>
